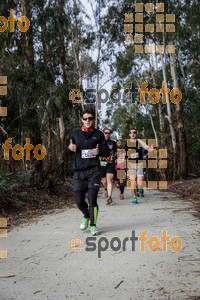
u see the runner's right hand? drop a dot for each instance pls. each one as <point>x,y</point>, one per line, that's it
<point>72,147</point>
<point>96,150</point>
<point>150,149</point>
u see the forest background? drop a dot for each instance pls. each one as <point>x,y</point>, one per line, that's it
<point>64,50</point>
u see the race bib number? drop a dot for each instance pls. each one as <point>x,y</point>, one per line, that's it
<point>103,163</point>
<point>88,153</point>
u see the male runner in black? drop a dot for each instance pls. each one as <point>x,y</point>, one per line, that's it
<point>88,143</point>
<point>108,166</point>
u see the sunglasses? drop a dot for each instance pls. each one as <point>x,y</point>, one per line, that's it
<point>89,118</point>
<point>135,132</point>
<point>106,132</point>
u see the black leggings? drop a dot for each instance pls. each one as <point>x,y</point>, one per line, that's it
<point>122,188</point>
<point>83,206</point>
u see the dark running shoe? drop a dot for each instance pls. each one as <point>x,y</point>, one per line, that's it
<point>109,201</point>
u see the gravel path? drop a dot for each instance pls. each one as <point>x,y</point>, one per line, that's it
<point>41,265</point>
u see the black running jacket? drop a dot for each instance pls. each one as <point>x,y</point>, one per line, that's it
<point>86,141</point>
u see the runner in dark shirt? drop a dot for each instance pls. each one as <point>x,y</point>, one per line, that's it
<point>108,166</point>
<point>88,143</point>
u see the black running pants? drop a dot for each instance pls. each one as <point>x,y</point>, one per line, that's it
<point>87,181</point>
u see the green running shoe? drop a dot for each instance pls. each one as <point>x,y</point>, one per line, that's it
<point>134,200</point>
<point>94,230</point>
<point>84,224</point>
<point>141,192</point>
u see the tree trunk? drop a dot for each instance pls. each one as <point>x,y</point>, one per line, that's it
<point>171,127</point>
<point>152,125</point>
<point>79,80</point>
<point>97,99</point>
<point>181,133</point>
<point>63,146</point>
<point>98,64</point>
<point>182,71</point>
<point>32,114</point>
<point>161,120</point>
<point>61,120</point>
<point>50,172</point>
<point>75,48</point>
<point>62,42</point>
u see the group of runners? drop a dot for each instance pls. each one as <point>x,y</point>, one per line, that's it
<point>99,159</point>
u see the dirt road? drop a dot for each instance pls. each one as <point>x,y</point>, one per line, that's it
<point>41,265</point>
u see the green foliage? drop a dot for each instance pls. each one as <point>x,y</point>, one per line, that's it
<point>14,185</point>
<point>130,67</point>
<point>38,93</point>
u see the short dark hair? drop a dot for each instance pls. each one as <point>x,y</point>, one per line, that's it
<point>88,110</point>
<point>106,129</point>
<point>132,129</point>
